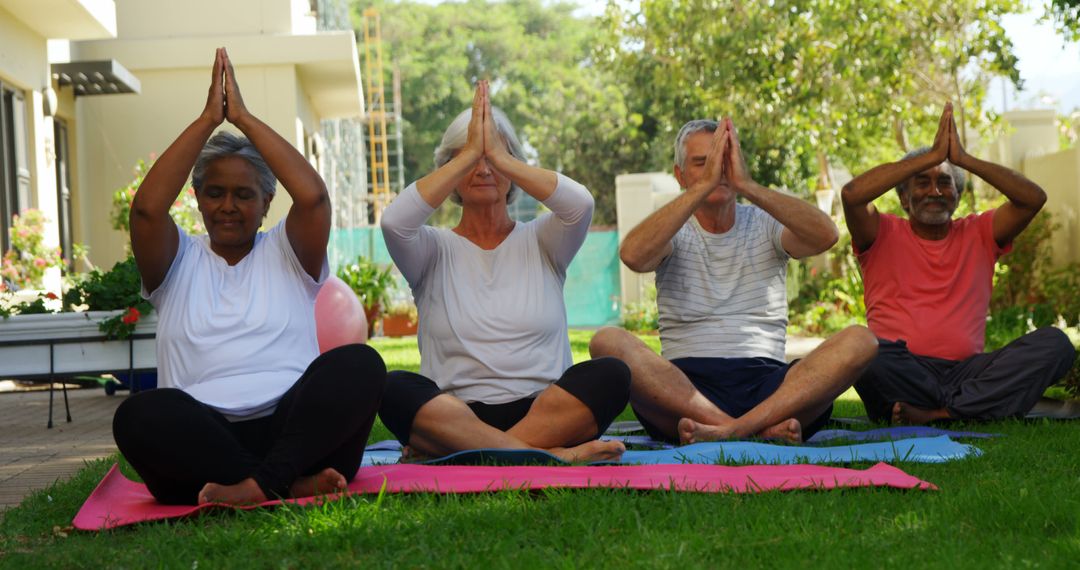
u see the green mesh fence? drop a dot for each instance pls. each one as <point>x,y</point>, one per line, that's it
<point>592,280</point>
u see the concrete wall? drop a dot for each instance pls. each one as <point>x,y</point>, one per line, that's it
<point>1032,147</point>
<point>155,19</point>
<point>637,196</point>
<point>1059,175</point>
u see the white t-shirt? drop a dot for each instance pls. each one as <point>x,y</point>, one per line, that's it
<point>725,295</point>
<point>236,337</point>
<point>492,322</point>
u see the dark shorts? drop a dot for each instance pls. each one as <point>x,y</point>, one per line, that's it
<point>736,386</point>
<point>602,384</point>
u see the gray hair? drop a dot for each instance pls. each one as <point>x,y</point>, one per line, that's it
<point>458,133</point>
<point>225,144</point>
<point>958,174</point>
<point>691,128</point>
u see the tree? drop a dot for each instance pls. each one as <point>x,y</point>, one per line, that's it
<point>537,56</point>
<point>1066,16</point>
<point>809,81</point>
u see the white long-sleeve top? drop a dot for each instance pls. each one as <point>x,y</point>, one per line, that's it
<point>492,323</point>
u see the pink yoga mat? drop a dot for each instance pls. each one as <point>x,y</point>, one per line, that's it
<point>118,501</point>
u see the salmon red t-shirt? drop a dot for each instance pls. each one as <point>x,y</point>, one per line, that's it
<point>933,294</point>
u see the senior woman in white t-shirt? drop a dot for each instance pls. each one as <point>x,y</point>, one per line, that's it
<point>495,367</point>
<point>249,410</point>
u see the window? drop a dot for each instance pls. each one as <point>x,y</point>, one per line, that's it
<point>14,166</point>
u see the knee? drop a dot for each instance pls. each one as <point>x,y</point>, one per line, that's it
<point>607,341</point>
<point>138,416</point>
<point>1059,347</point>
<point>361,366</point>
<point>615,374</point>
<point>860,344</point>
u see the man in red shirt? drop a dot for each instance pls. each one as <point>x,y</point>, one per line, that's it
<point>928,281</point>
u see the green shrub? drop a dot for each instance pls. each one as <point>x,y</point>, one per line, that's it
<point>642,316</point>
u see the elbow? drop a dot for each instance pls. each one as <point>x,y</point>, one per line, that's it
<point>631,261</point>
<point>1039,200</point>
<point>847,193</point>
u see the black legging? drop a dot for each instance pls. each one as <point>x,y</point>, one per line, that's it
<point>178,444</point>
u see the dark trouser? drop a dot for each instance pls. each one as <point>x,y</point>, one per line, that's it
<point>1004,383</point>
<point>602,384</point>
<point>178,444</point>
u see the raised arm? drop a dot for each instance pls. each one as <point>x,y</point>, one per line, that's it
<point>154,237</point>
<point>308,222</point>
<point>859,194</point>
<point>1025,197</point>
<point>807,230</point>
<point>436,187</point>
<point>649,242</point>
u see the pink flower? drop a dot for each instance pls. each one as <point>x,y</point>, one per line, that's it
<point>38,262</point>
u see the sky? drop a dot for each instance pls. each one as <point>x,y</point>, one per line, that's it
<point>1050,68</point>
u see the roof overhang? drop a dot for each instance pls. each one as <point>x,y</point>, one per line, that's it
<point>327,63</point>
<point>66,19</point>
<point>95,77</point>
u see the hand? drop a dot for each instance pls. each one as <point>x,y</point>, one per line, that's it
<point>474,143</point>
<point>957,154</point>
<point>737,174</point>
<point>495,147</point>
<point>235,111</point>
<point>715,174</point>
<point>215,99</point>
<point>940,150</point>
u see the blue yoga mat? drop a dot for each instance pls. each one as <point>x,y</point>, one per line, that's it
<point>894,433</point>
<point>919,450</point>
<point>826,436</point>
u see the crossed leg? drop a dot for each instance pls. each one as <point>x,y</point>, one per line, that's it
<point>666,398</point>
<point>557,422</point>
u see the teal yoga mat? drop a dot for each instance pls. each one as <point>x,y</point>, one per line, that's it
<point>917,450</point>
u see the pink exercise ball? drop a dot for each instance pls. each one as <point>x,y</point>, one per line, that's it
<point>339,318</point>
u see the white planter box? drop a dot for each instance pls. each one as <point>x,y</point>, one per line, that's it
<point>25,345</point>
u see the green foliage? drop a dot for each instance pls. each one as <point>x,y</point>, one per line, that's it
<point>24,265</point>
<point>1066,17</point>
<point>809,81</point>
<point>642,316</point>
<point>118,288</point>
<point>184,211</point>
<point>371,283</point>
<point>830,299</point>
<point>538,57</point>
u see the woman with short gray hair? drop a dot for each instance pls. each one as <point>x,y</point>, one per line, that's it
<point>248,409</point>
<point>495,366</point>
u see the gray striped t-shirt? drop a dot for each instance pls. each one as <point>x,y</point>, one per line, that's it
<point>724,295</point>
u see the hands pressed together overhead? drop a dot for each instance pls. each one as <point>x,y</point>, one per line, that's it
<point>947,145</point>
<point>224,102</point>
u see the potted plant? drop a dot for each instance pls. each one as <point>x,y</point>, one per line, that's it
<point>400,319</point>
<point>87,333</point>
<point>372,284</point>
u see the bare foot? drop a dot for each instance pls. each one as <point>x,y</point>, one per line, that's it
<point>904,413</point>
<point>691,431</point>
<point>326,481</point>
<point>246,492</point>
<point>595,450</point>
<point>789,430</point>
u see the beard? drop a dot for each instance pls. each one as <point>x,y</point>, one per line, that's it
<point>925,213</point>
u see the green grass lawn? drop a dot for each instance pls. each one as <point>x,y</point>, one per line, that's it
<point>1016,506</point>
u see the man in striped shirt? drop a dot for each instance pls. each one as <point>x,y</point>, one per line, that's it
<point>720,279</point>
